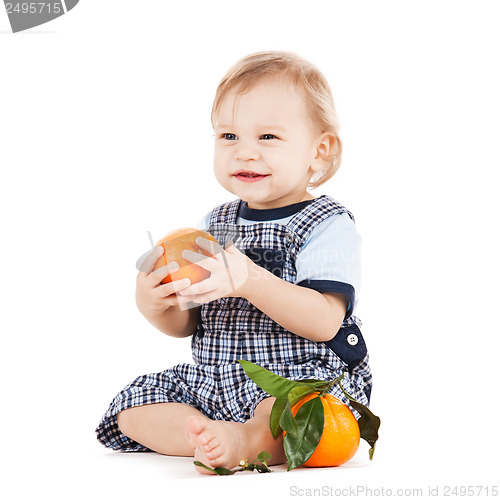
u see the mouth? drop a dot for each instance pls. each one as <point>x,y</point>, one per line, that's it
<point>248,176</point>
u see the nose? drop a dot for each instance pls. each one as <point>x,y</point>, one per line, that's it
<point>247,150</point>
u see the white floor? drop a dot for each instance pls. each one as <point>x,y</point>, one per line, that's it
<point>96,473</point>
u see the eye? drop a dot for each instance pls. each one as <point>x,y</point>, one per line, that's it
<point>228,136</point>
<point>269,135</point>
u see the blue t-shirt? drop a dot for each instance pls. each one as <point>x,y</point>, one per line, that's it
<point>329,260</point>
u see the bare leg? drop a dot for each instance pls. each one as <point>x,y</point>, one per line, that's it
<point>224,444</point>
<point>159,427</point>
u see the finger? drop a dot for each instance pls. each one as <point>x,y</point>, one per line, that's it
<point>158,275</point>
<point>146,262</point>
<point>184,302</point>
<point>230,246</point>
<point>208,263</point>
<point>201,288</point>
<point>210,246</point>
<point>233,249</point>
<point>202,298</point>
<point>171,288</point>
<point>176,300</point>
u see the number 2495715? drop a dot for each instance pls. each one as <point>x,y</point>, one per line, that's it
<point>33,7</point>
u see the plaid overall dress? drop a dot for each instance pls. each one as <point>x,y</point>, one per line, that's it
<point>231,328</point>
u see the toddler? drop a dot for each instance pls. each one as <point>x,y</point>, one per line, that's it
<point>282,289</point>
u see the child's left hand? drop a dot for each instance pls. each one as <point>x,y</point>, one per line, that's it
<point>230,271</point>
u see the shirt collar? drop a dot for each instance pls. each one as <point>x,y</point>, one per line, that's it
<point>255,214</point>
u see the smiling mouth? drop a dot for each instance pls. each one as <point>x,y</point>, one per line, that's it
<point>249,176</point>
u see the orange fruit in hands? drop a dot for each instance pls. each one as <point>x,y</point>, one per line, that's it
<point>174,243</point>
<point>340,439</point>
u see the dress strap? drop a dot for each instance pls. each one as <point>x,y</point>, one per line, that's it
<point>313,214</point>
<point>226,213</point>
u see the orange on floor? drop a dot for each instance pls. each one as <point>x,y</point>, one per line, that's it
<point>340,439</point>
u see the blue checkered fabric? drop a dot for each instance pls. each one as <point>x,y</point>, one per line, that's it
<point>231,328</point>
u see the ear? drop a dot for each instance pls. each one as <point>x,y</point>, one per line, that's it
<point>324,148</point>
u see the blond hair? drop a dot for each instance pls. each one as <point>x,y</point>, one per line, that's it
<point>288,67</point>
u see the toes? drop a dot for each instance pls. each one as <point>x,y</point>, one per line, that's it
<point>205,438</point>
<point>194,425</point>
<point>214,453</point>
<point>217,461</point>
<point>196,430</point>
<point>210,443</point>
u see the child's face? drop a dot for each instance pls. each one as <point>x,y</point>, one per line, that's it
<point>272,135</point>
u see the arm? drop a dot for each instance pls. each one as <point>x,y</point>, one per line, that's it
<point>310,314</point>
<point>157,302</point>
<point>304,311</point>
<point>174,322</point>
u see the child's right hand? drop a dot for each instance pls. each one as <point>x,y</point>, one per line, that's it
<point>152,296</point>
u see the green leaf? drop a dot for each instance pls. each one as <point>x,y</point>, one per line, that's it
<point>263,468</point>
<point>274,419</point>
<point>263,457</point>
<point>297,393</point>
<point>220,471</point>
<point>319,385</point>
<point>369,423</point>
<point>250,467</point>
<point>271,383</point>
<point>287,392</point>
<point>287,420</point>
<point>310,421</point>
<point>294,396</point>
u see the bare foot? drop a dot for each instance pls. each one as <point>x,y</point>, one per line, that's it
<point>217,443</point>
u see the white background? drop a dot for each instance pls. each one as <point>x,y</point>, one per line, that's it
<point>105,134</point>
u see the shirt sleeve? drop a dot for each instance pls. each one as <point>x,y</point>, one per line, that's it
<point>204,222</point>
<point>330,259</point>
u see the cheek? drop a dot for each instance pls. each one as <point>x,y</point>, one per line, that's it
<point>220,166</point>
<point>220,156</point>
<point>285,157</point>
<point>219,163</point>
<point>302,155</point>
